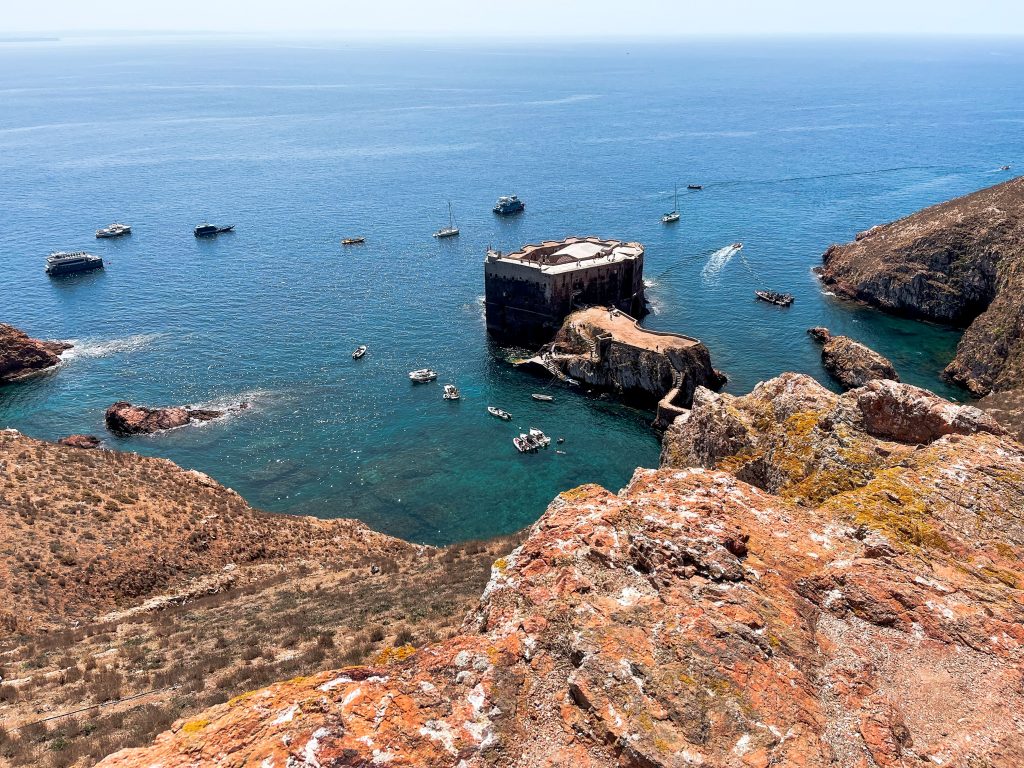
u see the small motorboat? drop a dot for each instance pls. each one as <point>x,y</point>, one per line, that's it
<point>1004,168</point>
<point>114,230</point>
<point>539,437</point>
<point>561,440</point>
<point>359,352</point>
<point>209,230</point>
<point>737,245</point>
<point>353,240</point>
<point>560,453</point>
<point>503,415</point>
<point>522,444</point>
<point>451,392</point>
<point>422,376</point>
<point>774,297</point>
<point>542,398</point>
<point>695,186</point>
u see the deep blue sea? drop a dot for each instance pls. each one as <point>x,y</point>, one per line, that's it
<point>299,143</point>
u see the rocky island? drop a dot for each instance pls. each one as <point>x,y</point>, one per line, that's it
<point>22,357</point>
<point>608,350</point>
<point>804,581</point>
<point>959,263</point>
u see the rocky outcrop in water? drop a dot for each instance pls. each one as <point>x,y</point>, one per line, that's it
<point>123,418</point>
<point>21,356</point>
<point>611,351</point>
<point>960,263</point>
<point>849,362</point>
<point>857,602</point>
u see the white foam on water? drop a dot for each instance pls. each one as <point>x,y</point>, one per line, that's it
<point>717,261</point>
<point>89,348</point>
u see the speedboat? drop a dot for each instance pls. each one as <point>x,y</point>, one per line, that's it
<point>114,230</point>
<point>208,230</point>
<point>695,186</point>
<point>522,444</point>
<point>539,437</point>
<point>353,240</point>
<point>451,230</point>
<point>774,297</point>
<point>359,352</point>
<point>542,398</point>
<point>1004,168</point>
<point>737,246</point>
<point>503,415</point>
<point>451,392</point>
<point>64,263</point>
<point>508,205</point>
<point>422,376</point>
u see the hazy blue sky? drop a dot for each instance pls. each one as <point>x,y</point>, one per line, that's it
<point>471,18</point>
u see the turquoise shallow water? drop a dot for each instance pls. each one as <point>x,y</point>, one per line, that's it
<point>301,143</point>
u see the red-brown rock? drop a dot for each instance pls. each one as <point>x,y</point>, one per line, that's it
<point>80,441</point>
<point>696,620</point>
<point>21,356</point>
<point>123,418</point>
<point>849,362</point>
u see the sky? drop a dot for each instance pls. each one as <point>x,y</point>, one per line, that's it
<point>519,18</point>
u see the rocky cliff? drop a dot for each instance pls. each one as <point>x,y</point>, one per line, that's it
<point>960,263</point>
<point>21,356</point>
<point>609,350</point>
<point>810,579</point>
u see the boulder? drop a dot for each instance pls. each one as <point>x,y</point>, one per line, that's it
<point>80,441</point>
<point>849,362</point>
<point>21,356</point>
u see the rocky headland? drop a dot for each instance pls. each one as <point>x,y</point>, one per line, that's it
<point>610,351</point>
<point>22,357</point>
<point>810,579</point>
<point>960,263</point>
<point>849,362</point>
<point>123,418</point>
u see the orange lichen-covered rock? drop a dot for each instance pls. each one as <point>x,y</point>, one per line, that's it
<point>696,620</point>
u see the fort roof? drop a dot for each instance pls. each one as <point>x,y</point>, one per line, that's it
<point>557,256</point>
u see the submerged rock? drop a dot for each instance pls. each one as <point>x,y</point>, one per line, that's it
<point>80,441</point>
<point>123,418</point>
<point>695,619</point>
<point>851,363</point>
<point>960,263</point>
<point>21,356</point>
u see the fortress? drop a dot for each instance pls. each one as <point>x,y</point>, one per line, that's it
<point>530,292</point>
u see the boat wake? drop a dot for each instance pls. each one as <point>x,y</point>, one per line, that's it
<point>717,261</point>
<point>89,348</point>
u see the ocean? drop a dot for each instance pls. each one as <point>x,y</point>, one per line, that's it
<point>299,143</point>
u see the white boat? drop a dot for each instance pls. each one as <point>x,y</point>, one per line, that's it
<point>539,437</point>
<point>673,215</point>
<point>422,376</point>
<point>114,230</point>
<point>451,392</point>
<point>451,230</point>
<point>542,398</point>
<point>503,415</point>
<point>522,444</point>
<point>359,352</point>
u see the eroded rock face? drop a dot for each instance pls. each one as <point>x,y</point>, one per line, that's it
<point>851,363</point>
<point>958,263</point>
<point>21,356</point>
<point>696,620</point>
<point>123,418</point>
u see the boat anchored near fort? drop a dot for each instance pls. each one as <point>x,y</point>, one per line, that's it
<point>65,263</point>
<point>114,230</point>
<point>509,205</point>
<point>451,230</point>
<point>209,230</point>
